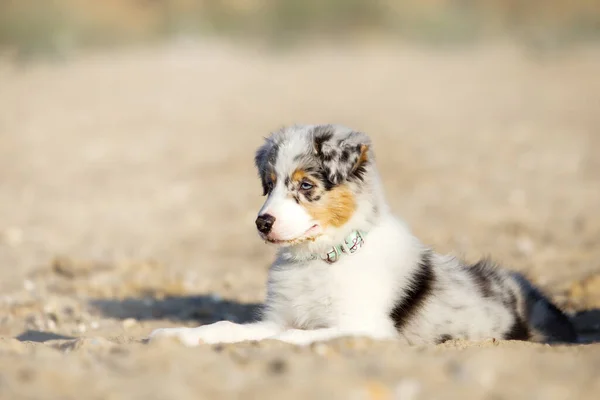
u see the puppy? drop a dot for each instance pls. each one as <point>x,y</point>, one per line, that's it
<point>347,267</point>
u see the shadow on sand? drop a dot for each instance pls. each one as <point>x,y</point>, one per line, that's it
<point>206,309</point>
<point>40,336</point>
<point>202,308</point>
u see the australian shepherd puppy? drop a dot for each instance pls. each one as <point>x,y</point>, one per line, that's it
<point>347,267</point>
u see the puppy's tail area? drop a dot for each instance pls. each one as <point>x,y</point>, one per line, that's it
<point>547,323</point>
<point>587,324</point>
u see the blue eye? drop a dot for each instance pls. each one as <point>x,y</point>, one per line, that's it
<point>306,186</point>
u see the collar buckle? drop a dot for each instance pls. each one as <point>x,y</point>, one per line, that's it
<point>332,255</point>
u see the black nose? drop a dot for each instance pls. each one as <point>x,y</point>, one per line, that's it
<point>264,223</point>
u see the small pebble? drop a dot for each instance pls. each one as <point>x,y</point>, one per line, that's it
<point>525,245</point>
<point>28,285</point>
<point>322,349</point>
<point>51,325</point>
<point>128,323</point>
<point>277,366</point>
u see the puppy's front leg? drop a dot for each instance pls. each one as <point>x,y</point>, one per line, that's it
<point>305,337</point>
<point>220,332</point>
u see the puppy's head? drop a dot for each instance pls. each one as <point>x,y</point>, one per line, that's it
<point>313,177</point>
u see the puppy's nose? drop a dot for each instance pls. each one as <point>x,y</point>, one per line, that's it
<point>264,223</point>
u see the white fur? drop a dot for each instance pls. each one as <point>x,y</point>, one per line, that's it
<point>352,295</point>
<point>291,220</point>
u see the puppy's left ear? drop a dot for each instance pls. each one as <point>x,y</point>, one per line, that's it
<point>344,156</point>
<point>265,158</point>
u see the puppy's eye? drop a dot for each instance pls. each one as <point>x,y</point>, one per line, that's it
<point>306,185</point>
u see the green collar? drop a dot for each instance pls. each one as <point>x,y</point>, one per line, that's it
<point>352,243</point>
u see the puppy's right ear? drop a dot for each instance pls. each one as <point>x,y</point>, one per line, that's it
<point>343,153</point>
<point>264,160</point>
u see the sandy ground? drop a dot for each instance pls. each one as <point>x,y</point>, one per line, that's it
<point>128,196</point>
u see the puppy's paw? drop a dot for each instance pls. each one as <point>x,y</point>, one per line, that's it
<point>219,332</point>
<point>295,336</point>
<point>188,336</point>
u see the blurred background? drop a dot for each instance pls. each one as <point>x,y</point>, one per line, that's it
<point>128,129</point>
<point>60,27</point>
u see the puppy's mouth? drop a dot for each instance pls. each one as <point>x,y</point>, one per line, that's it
<point>310,235</point>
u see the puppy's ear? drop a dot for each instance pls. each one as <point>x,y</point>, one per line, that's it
<point>265,158</point>
<point>343,153</point>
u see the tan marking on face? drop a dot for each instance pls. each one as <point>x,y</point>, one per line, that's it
<point>334,208</point>
<point>273,177</point>
<point>298,175</point>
